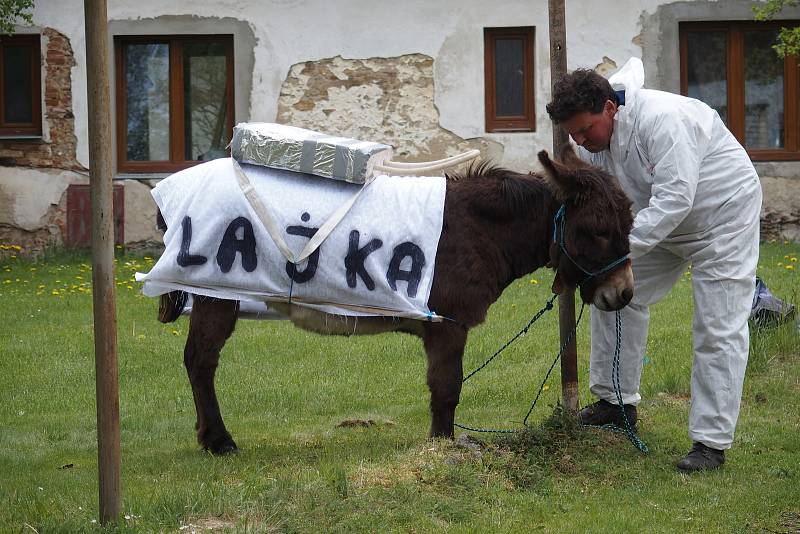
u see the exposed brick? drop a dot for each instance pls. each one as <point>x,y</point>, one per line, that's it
<point>59,152</point>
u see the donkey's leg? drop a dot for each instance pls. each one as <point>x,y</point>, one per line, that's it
<point>444,344</point>
<point>210,325</point>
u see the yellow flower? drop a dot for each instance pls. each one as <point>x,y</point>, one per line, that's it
<point>793,259</point>
<point>790,267</point>
<point>786,257</point>
<point>780,264</point>
<point>545,387</point>
<point>175,333</point>
<point>129,287</point>
<point>534,281</point>
<point>78,277</point>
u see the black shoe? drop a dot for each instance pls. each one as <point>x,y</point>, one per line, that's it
<point>603,413</point>
<point>701,458</point>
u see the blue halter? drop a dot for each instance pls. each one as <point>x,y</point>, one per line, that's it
<point>559,222</point>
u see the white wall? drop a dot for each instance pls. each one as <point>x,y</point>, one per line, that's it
<point>289,32</point>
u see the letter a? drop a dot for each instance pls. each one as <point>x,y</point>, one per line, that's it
<point>413,276</point>
<point>230,245</point>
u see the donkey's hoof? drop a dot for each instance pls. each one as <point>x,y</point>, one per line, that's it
<point>225,449</point>
<point>221,446</point>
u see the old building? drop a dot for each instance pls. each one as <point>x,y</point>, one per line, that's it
<point>429,78</point>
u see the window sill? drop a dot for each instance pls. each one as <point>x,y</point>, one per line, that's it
<point>21,137</point>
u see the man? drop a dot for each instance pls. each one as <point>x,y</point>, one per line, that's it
<point>697,200</point>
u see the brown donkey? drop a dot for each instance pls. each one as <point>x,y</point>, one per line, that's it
<point>498,226</point>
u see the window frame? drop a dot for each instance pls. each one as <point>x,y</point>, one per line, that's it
<point>734,32</point>
<point>23,129</point>
<point>177,124</point>
<point>515,123</point>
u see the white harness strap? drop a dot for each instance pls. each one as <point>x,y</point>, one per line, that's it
<point>268,221</point>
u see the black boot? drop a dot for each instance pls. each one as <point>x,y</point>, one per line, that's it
<point>701,458</point>
<point>603,413</point>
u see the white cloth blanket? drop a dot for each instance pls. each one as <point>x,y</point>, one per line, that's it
<point>378,260</point>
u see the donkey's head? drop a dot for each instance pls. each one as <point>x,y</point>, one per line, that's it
<point>590,238</point>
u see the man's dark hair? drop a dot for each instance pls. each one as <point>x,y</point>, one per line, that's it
<point>582,90</point>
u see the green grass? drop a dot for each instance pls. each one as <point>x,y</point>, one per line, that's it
<point>283,392</point>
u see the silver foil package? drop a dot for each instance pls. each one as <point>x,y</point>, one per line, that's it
<point>296,149</point>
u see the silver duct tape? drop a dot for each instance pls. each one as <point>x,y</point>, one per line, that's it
<point>296,149</point>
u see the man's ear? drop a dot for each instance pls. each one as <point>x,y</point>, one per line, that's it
<point>610,108</point>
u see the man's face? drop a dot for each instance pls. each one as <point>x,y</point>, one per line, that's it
<point>592,131</point>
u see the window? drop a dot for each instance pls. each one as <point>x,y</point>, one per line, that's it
<point>20,86</point>
<point>732,67</point>
<point>508,69</point>
<point>174,101</point>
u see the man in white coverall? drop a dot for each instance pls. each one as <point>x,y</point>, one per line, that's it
<point>697,200</point>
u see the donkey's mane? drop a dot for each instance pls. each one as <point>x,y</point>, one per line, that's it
<point>518,193</point>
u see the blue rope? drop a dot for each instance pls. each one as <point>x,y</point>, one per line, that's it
<point>627,428</point>
<point>548,306</point>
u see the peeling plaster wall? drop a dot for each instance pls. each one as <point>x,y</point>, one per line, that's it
<point>390,99</point>
<point>408,73</point>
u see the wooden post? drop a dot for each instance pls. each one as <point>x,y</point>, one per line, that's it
<point>104,290</point>
<point>566,301</point>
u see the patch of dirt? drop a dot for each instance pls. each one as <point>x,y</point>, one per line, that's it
<point>673,399</point>
<point>790,520</point>
<point>207,524</point>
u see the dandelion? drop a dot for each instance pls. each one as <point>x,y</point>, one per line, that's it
<point>545,387</point>
<point>129,287</point>
<point>78,277</point>
<point>175,333</point>
<point>780,264</point>
<point>790,267</point>
<point>534,281</point>
<point>793,259</point>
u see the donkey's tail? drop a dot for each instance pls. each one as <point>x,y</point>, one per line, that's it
<point>171,305</point>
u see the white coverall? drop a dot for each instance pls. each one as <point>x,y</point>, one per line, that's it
<point>697,201</point>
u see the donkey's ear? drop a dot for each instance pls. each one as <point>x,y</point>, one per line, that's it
<point>559,176</point>
<point>570,158</point>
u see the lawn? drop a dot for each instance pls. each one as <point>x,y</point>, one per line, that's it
<point>284,393</point>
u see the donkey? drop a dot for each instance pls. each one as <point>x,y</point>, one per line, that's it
<point>498,226</point>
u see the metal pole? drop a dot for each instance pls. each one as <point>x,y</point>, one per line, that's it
<point>104,291</point>
<point>566,301</point>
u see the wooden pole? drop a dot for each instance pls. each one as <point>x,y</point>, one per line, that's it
<point>566,301</point>
<point>104,290</point>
